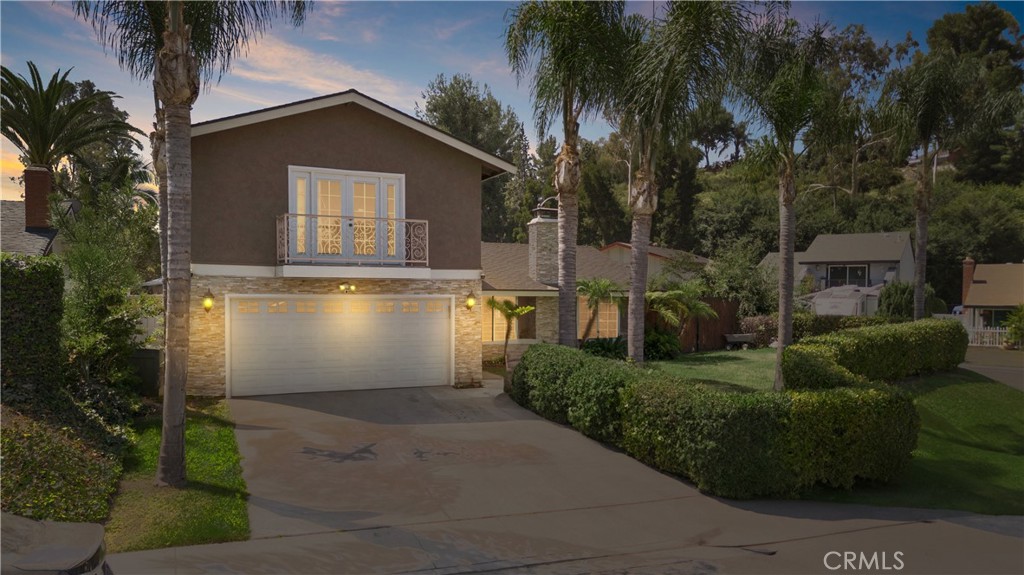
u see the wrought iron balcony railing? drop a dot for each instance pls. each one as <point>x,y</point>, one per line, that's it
<point>348,240</point>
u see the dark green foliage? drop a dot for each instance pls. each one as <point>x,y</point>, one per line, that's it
<point>594,403</point>
<point>897,300</point>
<point>50,474</point>
<point>610,347</point>
<point>540,379</point>
<point>32,296</point>
<point>893,352</point>
<point>765,327</point>
<point>808,366</point>
<point>660,345</point>
<point>1014,325</point>
<point>839,436</point>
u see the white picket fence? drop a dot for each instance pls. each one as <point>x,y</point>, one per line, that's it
<point>987,337</point>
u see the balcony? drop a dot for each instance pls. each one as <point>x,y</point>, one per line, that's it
<point>351,241</point>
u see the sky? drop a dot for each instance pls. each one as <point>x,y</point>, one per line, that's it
<point>387,50</point>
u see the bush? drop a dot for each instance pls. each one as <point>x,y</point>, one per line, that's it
<point>893,352</point>
<point>594,402</point>
<point>47,474</point>
<point>660,345</point>
<point>810,366</point>
<point>1014,325</point>
<point>764,327</point>
<point>539,381</point>
<point>610,347</point>
<point>805,324</point>
<point>32,307</point>
<point>897,300</point>
<point>838,436</point>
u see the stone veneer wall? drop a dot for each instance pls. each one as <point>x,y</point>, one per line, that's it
<point>543,240</point>
<point>547,319</point>
<point>206,362</point>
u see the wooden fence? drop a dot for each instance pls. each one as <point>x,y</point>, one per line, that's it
<point>705,334</point>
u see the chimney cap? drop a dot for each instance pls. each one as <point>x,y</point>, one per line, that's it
<point>546,213</point>
<point>968,260</point>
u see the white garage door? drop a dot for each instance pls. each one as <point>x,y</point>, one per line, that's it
<point>295,344</point>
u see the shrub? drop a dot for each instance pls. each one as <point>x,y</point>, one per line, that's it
<point>660,345</point>
<point>1014,325</point>
<point>594,402</point>
<point>539,381</point>
<point>32,306</point>
<point>47,474</point>
<point>897,300</point>
<point>810,366</point>
<point>610,347</point>
<point>838,436</point>
<point>893,352</point>
<point>764,328</point>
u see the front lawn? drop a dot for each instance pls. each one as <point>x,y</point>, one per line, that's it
<point>211,508</point>
<point>970,452</point>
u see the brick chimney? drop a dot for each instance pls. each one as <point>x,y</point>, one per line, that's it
<point>37,198</point>
<point>544,244</point>
<point>968,279</point>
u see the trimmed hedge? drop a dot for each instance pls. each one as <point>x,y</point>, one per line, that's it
<point>539,380</point>
<point>893,352</point>
<point>766,327</point>
<point>31,307</point>
<point>594,404</point>
<point>811,366</point>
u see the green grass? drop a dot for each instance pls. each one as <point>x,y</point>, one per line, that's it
<point>211,508</point>
<point>970,452</point>
<point>753,369</point>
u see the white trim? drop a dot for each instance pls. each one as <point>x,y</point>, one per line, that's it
<point>231,296</point>
<point>348,97</point>
<point>233,270</point>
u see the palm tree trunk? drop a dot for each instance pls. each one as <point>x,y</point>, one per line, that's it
<point>922,201</point>
<point>567,181</point>
<point>643,201</point>
<point>787,229</point>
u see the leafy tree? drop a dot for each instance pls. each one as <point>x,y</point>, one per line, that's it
<point>1014,325</point>
<point>712,128</point>
<point>782,85</point>
<point>677,303</point>
<point>510,312</point>
<point>569,49</point>
<point>739,138</point>
<point>672,225</point>
<point>597,291</point>
<point>471,113</point>
<point>174,43</point>
<point>675,65</point>
<point>602,217</point>
<point>734,274</point>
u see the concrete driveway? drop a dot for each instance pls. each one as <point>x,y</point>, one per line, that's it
<point>1006,366</point>
<point>439,480</point>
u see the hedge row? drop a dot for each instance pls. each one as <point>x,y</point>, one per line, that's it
<point>891,352</point>
<point>31,307</point>
<point>766,327</point>
<point>730,444</point>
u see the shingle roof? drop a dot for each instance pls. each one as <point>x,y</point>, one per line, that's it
<point>661,252</point>
<point>506,267</point>
<point>847,248</point>
<point>13,237</point>
<point>996,285</point>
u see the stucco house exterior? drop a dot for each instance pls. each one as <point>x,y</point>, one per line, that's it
<point>340,241</point>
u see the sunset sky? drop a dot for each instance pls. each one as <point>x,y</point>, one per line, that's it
<point>387,50</point>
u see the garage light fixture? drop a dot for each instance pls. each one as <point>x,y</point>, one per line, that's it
<point>470,300</point>
<point>346,287</point>
<point>208,300</point>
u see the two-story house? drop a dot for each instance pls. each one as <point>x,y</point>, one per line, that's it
<point>860,260</point>
<point>340,241</point>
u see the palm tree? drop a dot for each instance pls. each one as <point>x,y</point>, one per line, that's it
<point>510,311</point>
<point>572,49</point>
<point>173,43</point>
<point>47,126</point>
<point>781,85</point>
<point>925,107</point>
<point>596,290</point>
<point>674,66</point>
<point>740,139</point>
<point>676,304</point>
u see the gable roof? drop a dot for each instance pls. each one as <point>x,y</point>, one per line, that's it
<point>14,238</point>
<point>506,267</point>
<point>996,285</point>
<point>855,248</point>
<point>492,165</point>
<point>658,252</point>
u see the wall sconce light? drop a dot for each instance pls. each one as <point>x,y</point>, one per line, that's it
<point>470,300</point>
<point>208,300</point>
<point>346,287</point>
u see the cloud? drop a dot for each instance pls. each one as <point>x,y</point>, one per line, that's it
<point>446,32</point>
<point>330,9</point>
<point>274,61</point>
<point>244,96</point>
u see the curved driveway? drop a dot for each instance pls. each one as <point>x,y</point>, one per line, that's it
<point>438,480</point>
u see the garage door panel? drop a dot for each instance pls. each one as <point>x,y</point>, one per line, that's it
<point>289,345</point>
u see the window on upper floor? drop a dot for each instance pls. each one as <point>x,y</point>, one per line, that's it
<point>848,275</point>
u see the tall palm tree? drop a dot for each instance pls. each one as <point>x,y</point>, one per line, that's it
<point>47,126</point>
<point>676,304</point>
<point>925,107</point>
<point>597,291</point>
<point>175,43</point>
<point>571,47</point>
<point>782,85</point>
<point>681,61</point>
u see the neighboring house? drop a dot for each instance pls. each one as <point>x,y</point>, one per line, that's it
<point>990,292</point>
<point>528,275</point>
<point>657,258</point>
<point>772,260</point>
<point>861,260</point>
<point>25,232</point>
<point>340,240</point>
